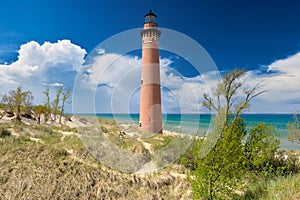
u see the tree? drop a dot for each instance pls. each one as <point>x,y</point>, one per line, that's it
<point>47,103</point>
<point>65,95</point>
<point>260,146</point>
<point>55,103</point>
<point>17,97</point>
<point>2,106</point>
<point>8,105</point>
<point>219,163</point>
<point>225,101</point>
<point>217,175</point>
<point>39,111</point>
<point>28,103</point>
<point>293,129</point>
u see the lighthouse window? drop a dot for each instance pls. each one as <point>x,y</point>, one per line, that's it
<point>142,82</point>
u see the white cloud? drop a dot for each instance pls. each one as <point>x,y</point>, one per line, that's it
<point>37,64</point>
<point>118,80</point>
<point>282,82</point>
<point>56,84</point>
<point>113,80</point>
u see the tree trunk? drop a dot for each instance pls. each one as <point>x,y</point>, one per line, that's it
<point>61,112</point>
<point>18,113</point>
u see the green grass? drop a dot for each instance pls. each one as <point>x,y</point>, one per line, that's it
<point>271,188</point>
<point>51,139</point>
<point>126,143</point>
<point>158,141</point>
<point>287,188</point>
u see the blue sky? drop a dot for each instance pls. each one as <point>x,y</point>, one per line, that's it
<point>255,35</point>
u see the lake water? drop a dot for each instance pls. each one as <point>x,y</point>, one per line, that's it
<point>200,123</point>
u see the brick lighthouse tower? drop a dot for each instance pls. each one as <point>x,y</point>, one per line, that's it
<point>150,99</point>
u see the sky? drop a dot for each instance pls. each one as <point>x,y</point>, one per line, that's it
<point>48,42</point>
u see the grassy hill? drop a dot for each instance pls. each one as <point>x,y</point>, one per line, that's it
<point>49,162</point>
<point>40,162</point>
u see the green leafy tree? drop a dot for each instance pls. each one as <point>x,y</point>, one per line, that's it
<point>221,157</point>
<point>55,103</point>
<point>39,111</point>
<point>8,104</point>
<point>218,174</point>
<point>65,96</point>
<point>17,97</point>
<point>260,147</point>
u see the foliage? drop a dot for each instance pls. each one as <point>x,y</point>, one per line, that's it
<point>7,104</point>
<point>225,97</point>
<point>260,147</point>
<point>190,158</point>
<point>293,129</point>
<point>221,158</point>
<point>16,99</point>
<point>285,163</point>
<point>65,96</point>
<point>47,103</point>
<point>55,107</point>
<point>28,104</point>
<point>55,103</point>
<point>4,132</point>
<point>39,111</point>
<point>218,174</point>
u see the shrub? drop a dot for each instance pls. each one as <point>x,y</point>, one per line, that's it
<point>104,129</point>
<point>286,162</point>
<point>260,147</point>
<point>218,174</point>
<point>293,129</point>
<point>4,132</point>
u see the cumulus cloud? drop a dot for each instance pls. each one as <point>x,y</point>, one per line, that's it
<point>282,79</point>
<point>39,64</point>
<point>116,80</point>
<point>113,80</point>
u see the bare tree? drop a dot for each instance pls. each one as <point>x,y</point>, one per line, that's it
<point>225,101</point>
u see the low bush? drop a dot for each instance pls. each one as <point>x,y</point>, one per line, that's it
<point>4,132</point>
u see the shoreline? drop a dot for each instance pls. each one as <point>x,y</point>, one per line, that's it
<point>76,122</point>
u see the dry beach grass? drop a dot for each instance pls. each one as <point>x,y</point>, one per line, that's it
<point>52,163</point>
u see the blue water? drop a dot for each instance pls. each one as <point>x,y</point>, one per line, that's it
<point>202,121</point>
<point>199,124</point>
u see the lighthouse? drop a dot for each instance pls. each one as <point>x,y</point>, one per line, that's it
<point>150,99</point>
